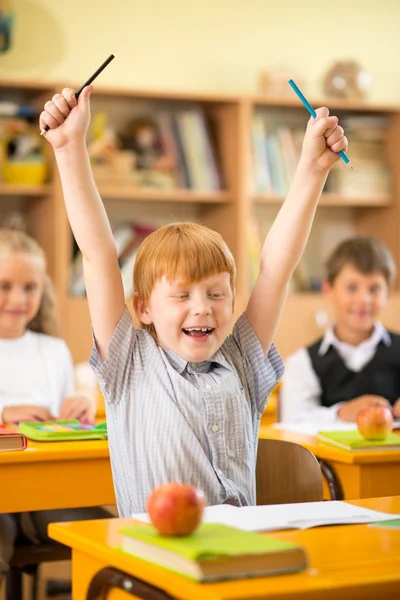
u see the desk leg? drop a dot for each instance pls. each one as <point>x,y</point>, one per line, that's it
<point>333,481</point>
<point>110,578</point>
<point>93,578</point>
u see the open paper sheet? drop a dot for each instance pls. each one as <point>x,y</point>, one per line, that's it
<point>288,516</point>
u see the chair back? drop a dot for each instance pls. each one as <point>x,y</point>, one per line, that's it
<point>286,473</point>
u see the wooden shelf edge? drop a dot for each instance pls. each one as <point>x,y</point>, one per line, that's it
<point>332,103</point>
<point>20,189</point>
<point>28,85</point>
<point>208,96</point>
<point>331,200</point>
<point>109,192</point>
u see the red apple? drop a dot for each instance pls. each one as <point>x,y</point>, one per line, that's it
<point>176,509</point>
<point>375,422</point>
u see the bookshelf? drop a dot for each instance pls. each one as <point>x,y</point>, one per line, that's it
<point>228,209</point>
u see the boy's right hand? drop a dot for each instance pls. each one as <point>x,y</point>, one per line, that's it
<point>350,409</point>
<point>67,117</point>
<point>29,412</point>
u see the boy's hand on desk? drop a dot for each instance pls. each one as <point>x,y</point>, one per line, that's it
<point>78,407</point>
<point>350,409</point>
<point>16,414</point>
<point>396,409</point>
<point>323,139</point>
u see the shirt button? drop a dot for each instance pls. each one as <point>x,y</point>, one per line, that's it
<point>214,428</point>
<point>208,386</point>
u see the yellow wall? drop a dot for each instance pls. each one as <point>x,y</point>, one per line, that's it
<point>204,44</point>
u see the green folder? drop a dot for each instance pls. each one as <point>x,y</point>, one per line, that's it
<point>353,440</point>
<point>63,430</point>
<point>214,552</point>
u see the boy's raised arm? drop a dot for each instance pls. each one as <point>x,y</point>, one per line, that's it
<point>68,120</point>
<point>289,233</point>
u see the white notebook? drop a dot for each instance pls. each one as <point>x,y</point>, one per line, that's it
<point>302,515</point>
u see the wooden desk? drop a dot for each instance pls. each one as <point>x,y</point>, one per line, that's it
<point>270,414</point>
<point>346,562</point>
<point>51,475</point>
<point>367,474</point>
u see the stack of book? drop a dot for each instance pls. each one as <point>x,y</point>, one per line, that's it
<point>276,151</point>
<point>371,176</point>
<point>214,552</point>
<point>11,439</point>
<point>353,441</point>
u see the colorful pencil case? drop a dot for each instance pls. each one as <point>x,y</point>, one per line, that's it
<point>70,430</point>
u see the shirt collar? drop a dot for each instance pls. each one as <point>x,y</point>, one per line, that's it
<point>180,364</point>
<point>379,334</point>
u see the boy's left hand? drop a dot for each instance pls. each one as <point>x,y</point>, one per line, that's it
<point>78,407</point>
<point>396,409</point>
<point>323,139</point>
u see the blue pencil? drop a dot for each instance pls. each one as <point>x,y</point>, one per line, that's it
<point>312,112</point>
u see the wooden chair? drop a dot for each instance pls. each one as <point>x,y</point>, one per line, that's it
<point>27,559</point>
<point>286,473</point>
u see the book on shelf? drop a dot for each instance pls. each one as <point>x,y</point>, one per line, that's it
<point>128,237</point>
<point>195,150</point>
<point>9,108</point>
<point>169,143</point>
<point>371,175</point>
<point>11,440</point>
<point>276,151</point>
<point>275,517</point>
<point>365,128</point>
<point>262,183</point>
<point>214,552</point>
<point>354,441</point>
<point>181,155</point>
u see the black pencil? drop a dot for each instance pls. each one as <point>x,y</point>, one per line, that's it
<point>88,82</point>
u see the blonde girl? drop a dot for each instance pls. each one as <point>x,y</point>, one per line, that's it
<point>36,370</point>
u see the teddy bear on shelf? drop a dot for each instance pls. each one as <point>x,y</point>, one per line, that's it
<point>347,79</point>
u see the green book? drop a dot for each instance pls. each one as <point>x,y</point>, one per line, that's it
<point>63,430</point>
<point>395,524</point>
<point>353,440</point>
<point>214,552</point>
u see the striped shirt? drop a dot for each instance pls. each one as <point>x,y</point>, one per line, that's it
<point>193,423</point>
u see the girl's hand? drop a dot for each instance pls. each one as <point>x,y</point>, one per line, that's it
<point>16,414</point>
<point>323,139</point>
<point>78,407</point>
<point>67,117</point>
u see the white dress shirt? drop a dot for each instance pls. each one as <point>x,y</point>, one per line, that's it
<point>193,423</point>
<point>301,390</point>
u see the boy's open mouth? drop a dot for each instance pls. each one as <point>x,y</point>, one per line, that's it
<point>198,331</point>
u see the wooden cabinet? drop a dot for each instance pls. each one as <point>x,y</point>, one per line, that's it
<point>228,210</point>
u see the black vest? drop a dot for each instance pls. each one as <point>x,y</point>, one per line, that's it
<point>380,376</point>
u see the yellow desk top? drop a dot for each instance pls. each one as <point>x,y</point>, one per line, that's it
<point>343,560</point>
<point>328,452</point>
<point>56,451</point>
<point>51,475</point>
